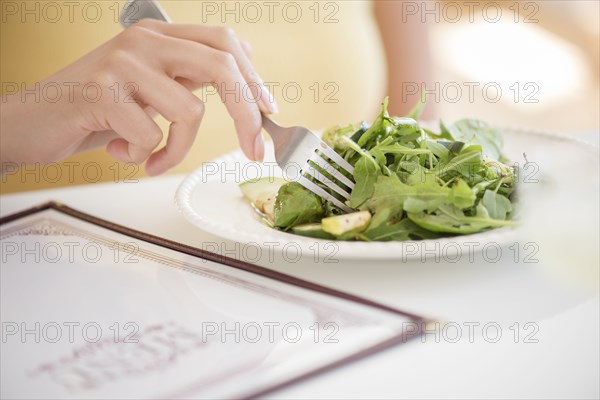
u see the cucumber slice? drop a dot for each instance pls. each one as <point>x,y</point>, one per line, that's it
<point>340,224</point>
<point>261,188</point>
<point>267,206</point>
<point>262,193</point>
<point>312,230</point>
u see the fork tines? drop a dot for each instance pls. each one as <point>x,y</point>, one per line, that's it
<point>339,180</point>
<point>322,168</point>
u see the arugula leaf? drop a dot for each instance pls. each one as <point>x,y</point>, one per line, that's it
<point>428,197</point>
<point>497,206</point>
<point>450,219</point>
<point>464,164</point>
<point>443,135</point>
<point>403,230</point>
<point>385,232</point>
<point>389,192</point>
<point>381,126</point>
<point>399,149</point>
<point>365,176</point>
<point>473,131</point>
<point>417,110</point>
<point>359,132</point>
<point>339,140</point>
<point>381,217</point>
<point>438,150</point>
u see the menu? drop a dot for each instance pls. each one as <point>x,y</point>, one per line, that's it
<point>91,309</point>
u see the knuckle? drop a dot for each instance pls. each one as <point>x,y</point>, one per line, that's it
<point>226,39</point>
<point>133,31</point>
<point>111,69</point>
<point>133,35</point>
<point>117,60</point>
<point>225,60</point>
<point>194,110</point>
<point>246,46</point>
<point>137,158</point>
<point>148,23</point>
<point>153,138</point>
<point>138,154</point>
<point>227,34</point>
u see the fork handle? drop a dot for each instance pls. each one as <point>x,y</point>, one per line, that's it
<point>269,125</point>
<point>135,10</point>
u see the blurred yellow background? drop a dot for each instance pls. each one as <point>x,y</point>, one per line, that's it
<point>534,65</point>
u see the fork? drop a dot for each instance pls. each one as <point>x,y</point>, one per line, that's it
<point>294,147</point>
<point>300,148</point>
<point>134,10</point>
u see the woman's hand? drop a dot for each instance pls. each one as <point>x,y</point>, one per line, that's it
<point>108,98</point>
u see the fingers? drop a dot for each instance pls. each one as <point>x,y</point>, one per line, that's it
<point>247,47</point>
<point>188,56</point>
<point>246,117</point>
<point>225,72</point>
<point>180,58</point>
<point>183,109</point>
<point>224,39</point>
<point>176,104</point>
<point>178,144</point>
<point>140,134</point>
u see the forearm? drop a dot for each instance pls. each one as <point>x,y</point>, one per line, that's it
<point>33,129</point>
<point>13,117</point>
<point>406,45</point>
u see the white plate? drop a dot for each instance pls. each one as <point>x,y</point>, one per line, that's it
<point>210,199</point>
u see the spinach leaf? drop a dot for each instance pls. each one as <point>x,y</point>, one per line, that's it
<point>296,205</point>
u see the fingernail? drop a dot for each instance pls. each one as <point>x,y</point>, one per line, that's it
<point>268,101</point>
<point>259,148</point>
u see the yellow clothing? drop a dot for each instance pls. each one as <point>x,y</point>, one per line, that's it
<point>323,61</point>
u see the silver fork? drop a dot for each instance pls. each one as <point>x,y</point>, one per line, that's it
<point>300,148</point>
<point>134,10</point>
<point>295,146</point>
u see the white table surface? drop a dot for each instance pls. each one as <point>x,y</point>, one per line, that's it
<point>564,363</point>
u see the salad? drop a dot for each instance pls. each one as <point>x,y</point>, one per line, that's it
<point>411,183</point>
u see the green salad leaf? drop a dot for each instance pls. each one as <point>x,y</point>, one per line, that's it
<point>365,175</point>
<point>296,205</point>
<point>451,219</point>
<point>472,131</point>
<point>414,182</point>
